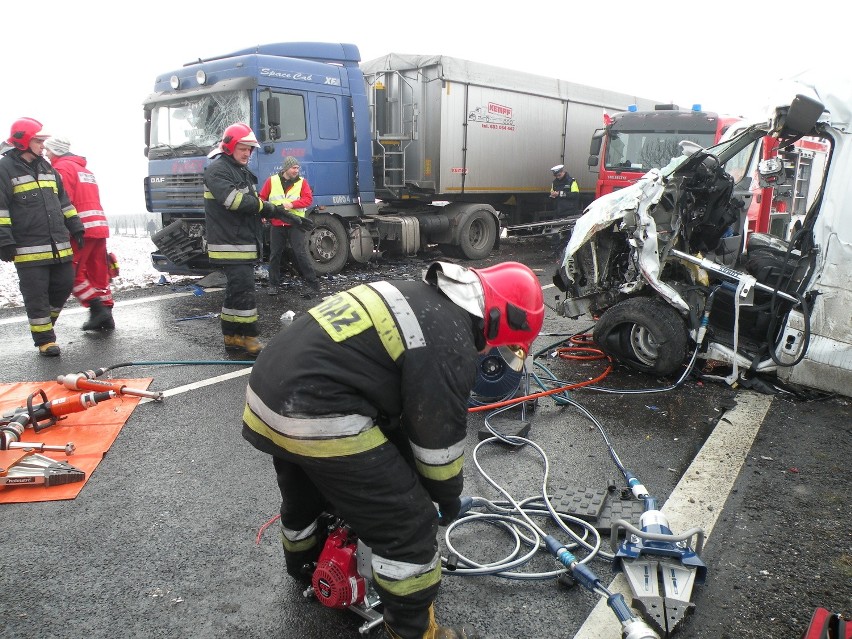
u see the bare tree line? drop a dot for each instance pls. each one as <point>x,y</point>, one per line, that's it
<point>135,224</point>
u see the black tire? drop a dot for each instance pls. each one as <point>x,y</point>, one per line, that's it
<point>477,235</point>
<point>328,244</point>
<point>644,333</point>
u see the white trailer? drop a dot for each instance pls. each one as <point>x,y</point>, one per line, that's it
<point>460,131</point>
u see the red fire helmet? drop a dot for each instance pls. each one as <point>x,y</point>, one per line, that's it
<point>514,304</point>
<point>238,133</point>
<point>23,131</point>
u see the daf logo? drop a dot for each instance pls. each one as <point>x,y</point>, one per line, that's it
<point>155,180</point>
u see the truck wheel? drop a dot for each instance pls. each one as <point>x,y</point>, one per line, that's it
<point>644,333</point>
<point>328,244</point>
<point>477,235</point>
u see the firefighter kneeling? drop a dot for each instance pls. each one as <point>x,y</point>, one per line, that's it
<point>362,403</point>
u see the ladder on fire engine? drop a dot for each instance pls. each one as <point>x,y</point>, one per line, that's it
<point>396,131</point>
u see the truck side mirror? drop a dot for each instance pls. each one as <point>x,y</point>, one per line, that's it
<point>597,141</point>
<point>273,112</point>
<point>800,117</point>
<point>593,161</point>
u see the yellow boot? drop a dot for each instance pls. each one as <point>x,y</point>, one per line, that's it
<point>434,631</point>
<point>251,345</point>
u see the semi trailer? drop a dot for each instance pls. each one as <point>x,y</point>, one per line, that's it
<point>402,152</point>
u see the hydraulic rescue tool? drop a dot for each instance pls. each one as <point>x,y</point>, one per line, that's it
<point>654,556</point>
<point>47,413</point>
<point>20,464</point>
<point>82,382</point>
<point>25,467</point>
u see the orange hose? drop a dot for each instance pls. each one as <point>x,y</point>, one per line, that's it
<point>566,352</point>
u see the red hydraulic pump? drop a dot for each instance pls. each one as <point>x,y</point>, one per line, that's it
<point>341,576</point>
<point>336,581</point>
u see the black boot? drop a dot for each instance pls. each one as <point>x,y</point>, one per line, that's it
<point>100,317</point>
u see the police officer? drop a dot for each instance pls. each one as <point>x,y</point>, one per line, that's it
<point>362,402</point>
<point>565,191</point>
<point>37,222</point>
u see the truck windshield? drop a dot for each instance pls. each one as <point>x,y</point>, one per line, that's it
<point>646,150</point>
<point>193,125</point>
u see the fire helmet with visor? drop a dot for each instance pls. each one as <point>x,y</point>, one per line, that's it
<point>507,297</point>
<point>239,133</point>
<point>23,131</point>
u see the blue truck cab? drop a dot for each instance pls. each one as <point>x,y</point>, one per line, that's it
<point>307,100</point>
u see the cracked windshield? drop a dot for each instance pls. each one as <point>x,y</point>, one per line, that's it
<point>196,124</point>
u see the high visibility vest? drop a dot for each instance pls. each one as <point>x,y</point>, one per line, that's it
<point>277,195</point>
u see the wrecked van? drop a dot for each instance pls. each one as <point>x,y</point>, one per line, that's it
<point>671,274</point>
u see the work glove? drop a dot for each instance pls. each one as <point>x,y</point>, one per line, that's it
<point>78,237</point>
<point>268,211</point>
<point>448,511</point>
<point>7,253</point>
<point>291,218</point>
<point>308,224</point>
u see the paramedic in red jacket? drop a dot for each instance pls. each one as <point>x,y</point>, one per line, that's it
<point>91,279</point>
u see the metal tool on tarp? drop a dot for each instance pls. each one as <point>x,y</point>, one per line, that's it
<point>39,416</point>
<point>82,382</point>
<point>26,467</point>
<point>653,557</point>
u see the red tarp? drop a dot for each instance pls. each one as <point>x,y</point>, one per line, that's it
<point>92,432</point>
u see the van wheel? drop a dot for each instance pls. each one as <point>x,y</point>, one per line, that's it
<point>645,334</point>
<point>477,235</point>
<point>328,244</point>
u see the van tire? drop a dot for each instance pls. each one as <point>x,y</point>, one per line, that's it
<point>645,334</point>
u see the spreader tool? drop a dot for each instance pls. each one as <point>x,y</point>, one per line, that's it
<point>82,382</point>
<point>25,467</point>
<point>40,416</point>
<point>653,557</point>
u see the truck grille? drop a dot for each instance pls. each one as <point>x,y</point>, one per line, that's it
<point>175,194</point>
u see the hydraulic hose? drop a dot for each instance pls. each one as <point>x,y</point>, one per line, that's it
<point>91,374</point>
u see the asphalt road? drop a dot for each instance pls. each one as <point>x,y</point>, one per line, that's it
<point>167,537</point>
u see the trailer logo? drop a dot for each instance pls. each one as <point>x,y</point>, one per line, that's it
<point>493,116</point>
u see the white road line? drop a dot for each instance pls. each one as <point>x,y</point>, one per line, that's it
<point>81,309</point>
<point>200,384</point>
<point>699,496</point>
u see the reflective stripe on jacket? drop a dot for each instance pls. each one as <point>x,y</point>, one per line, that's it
<point>82,188</point>
<point>36,215</point>
<point>361,364</point>
<point>232,212</point>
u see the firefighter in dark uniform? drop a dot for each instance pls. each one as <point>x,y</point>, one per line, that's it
<point>362,402</point>
<point>37,221</point>
<point>233,213</point>
<point>565,191</point>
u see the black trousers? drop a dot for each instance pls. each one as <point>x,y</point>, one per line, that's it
<point>379,495</point>
<point>45,290</point>
<point>279,237</point>
<point>239,309</point>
